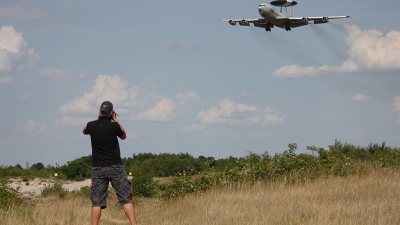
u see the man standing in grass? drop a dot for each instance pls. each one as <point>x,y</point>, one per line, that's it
<point>107,163</point>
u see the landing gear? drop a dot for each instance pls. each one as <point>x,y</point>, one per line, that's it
<point>288,28</point>
<point>268,29</point>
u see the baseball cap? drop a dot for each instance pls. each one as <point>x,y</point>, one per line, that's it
<point>106,107</point>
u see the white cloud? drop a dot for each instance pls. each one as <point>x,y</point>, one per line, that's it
<point>106,88</point>
<point>82,75</point>
<point>128,100</point>
<point>35,127</point>
<point>369,51</point>
<point>162,111</point>
<point>6,80</point>
<point>396,108</point>
<point>359,98</point>
<point>14,53</point>
<point>294,71</point>
<point>188,97</point>
<point>185,102</point>
<point>53,74</point>
<point>239,114</point>
<point>37,132</point>
<point>82,104</point>
<point>396,104</point>
<point>160,108</point>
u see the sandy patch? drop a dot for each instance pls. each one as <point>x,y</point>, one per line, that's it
<point>35,186</point>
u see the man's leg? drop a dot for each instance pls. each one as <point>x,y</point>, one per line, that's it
<point>130,213</point>
<point>96,213</point>
<point>98,194</point>
<point>123,189</point>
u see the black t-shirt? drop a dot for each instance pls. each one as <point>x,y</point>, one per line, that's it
<point>105,146</point>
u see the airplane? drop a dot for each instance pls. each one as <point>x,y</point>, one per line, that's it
<point>271,18</point>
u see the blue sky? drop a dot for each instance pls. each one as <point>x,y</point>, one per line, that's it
<point>184,81</point>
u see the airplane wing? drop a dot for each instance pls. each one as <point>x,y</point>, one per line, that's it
<point>325,19</point>
<point>291,21</point>
<point>301,21</point>
<point>282,21</point>
<point>305,19</point>
<point>328,17</point>
<point>243,22</point>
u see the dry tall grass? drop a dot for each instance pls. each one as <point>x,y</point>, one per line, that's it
<point>368,199</point>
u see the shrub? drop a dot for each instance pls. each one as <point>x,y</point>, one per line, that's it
<point>165,164</point>
<point>8,195</point>
<point>55,189</point>
<point>180,186</point>
<point>77,170</point>
<point>85,191</point>
<point>143,185</point>
<point>37,166</point>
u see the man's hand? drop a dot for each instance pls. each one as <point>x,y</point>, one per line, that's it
<point>114,118</point>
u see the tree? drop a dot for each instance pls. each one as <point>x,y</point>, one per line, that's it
<point>18,166</point>
<point>77,169</point>
<point>37,166</point>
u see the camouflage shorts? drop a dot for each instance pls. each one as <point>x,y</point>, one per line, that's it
<point>101,176</point>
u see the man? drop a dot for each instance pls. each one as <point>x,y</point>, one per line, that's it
<point>107,163</point>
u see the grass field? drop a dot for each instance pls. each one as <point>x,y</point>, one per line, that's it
<point>366,199</point>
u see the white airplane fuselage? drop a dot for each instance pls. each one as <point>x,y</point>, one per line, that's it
<point>270,15</point>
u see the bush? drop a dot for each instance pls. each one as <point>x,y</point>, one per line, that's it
<point>287,167</point>
<point>77,169</point>
<point>180,186</point>
<point>55,189</point>
<point>37,166</point>
<point>165,164</point>
<point>8,195</point>
<point>144,186</point>
<point>85,191</point>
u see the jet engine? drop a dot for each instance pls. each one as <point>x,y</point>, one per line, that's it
<point>324,20</point>
<point>304,19</point>
<point>244,23</point>
<point>231,22</point>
